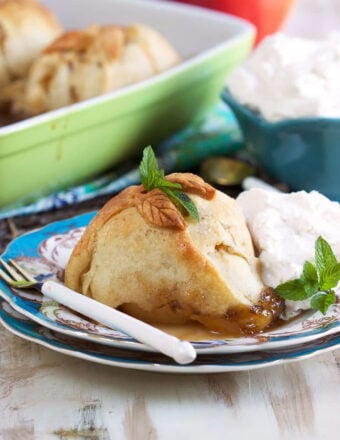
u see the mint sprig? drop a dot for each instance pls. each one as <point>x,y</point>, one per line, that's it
<point>152,177</point>
<point>316,281</point>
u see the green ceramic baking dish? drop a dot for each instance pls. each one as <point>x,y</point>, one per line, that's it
<point>67,146</point>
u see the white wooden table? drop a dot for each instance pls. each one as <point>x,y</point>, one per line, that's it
<point>48,396</point>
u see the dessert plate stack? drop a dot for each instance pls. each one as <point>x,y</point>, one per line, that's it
<point>27,314</point>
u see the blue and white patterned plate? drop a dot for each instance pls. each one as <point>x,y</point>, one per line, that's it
<point>45,252</point>
<point>23,327</point>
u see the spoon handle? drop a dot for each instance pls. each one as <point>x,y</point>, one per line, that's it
<point>181,351</point>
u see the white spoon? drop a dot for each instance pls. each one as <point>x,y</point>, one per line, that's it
<point>181,351</point>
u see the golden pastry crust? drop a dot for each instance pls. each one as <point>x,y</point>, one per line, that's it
<point>174,273</point>
<point>26,27</point>
<point>87,63</point>
<point>108,40</point>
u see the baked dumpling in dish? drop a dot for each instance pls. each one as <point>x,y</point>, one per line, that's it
<point>87,63</point>
<point>141,254</point>
<point>26,27</point>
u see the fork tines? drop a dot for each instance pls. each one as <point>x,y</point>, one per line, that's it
<point>14,272</point>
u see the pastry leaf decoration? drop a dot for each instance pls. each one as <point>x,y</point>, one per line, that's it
<point>157,209</point>
<point>153,178</point>
<point>193,184</point>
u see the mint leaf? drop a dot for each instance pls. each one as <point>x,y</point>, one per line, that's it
<point>148,169</point>
<point>152,177</point>
<point>310,278</point>
<point>324,256</point>
<point>293,290</point>
<point>184,201</point>
<point>309,272</point>
<point>322,301</point>
<point>165,184</point>
<point>316,282</point>
<point>329,277</point>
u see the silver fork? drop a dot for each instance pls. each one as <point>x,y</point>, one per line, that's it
<point>181,351</point>
<point>17,277</point>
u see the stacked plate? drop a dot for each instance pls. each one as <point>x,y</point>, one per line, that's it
<point>27,314</point>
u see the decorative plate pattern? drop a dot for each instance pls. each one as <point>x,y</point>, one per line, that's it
<point>45,252</point>
<point>23,327</point>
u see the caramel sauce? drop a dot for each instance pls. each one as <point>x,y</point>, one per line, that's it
<point>192,332</point>
<point>196,332</point>
<point>238,321</point>
<point>279,323</point>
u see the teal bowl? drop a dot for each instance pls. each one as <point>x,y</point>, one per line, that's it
<point>303,153</point>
